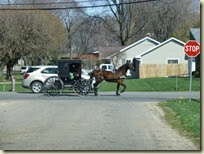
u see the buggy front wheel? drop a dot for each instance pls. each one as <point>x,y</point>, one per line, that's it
<point>53,86</point>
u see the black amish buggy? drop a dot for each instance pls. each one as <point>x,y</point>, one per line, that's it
<point>69,77</point>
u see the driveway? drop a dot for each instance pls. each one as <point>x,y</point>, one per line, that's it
<point>132,121</point>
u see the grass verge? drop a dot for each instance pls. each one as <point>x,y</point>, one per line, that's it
<point>18,76</point>
<point>7,88</point>
<point>154,84</point>
<point>150,84</point>
<point>184,116</point>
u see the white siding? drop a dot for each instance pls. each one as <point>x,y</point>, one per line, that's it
<point>160,55</point>
<point>136,50</point>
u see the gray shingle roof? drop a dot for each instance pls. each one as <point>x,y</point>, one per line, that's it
<point>195,34</point>
<point>104,52</point>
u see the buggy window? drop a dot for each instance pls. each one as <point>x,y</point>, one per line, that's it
<point>50,71</point>
<point>32,69</point>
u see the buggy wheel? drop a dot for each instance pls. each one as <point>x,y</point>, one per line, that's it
<point>82,87</point>
<point>53,86</point>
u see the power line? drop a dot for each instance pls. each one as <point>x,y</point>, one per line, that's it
<point>79,7</point>
<point>52,3</point>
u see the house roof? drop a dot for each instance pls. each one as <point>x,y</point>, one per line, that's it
<point>87,56</point>
<point>136,43</point>
<point>140,41</point>
<point>195,34</point>
<point>105,52</point>
<point>160,45</point>
<point>67,55</point>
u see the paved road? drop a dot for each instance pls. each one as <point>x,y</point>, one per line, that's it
<point>68,122</point>
<point>108,96</point>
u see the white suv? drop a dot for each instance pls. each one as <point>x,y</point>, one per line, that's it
<point>24,69</point>
<point>36,75</point>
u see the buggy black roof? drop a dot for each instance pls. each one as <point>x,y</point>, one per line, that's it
<point>69,61</point>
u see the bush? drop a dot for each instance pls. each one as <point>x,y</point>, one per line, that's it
<point>197,74</point>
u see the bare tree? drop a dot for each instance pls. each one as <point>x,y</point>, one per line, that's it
<point>28,33</point>
<point>70,18</point>
<point>130,22</point>
<point>125,20</point>
<point>115,59</point>
<point>169,16</point>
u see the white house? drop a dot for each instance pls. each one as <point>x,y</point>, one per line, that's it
<point>133,50</point>
<point>170,51</point>
<point>160,60</point>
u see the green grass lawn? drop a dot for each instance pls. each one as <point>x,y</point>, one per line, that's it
<point>18,76</point>
<point>184,116</point>
<point>150,84</point>
<point>154,84</point>
<point>19,88</point>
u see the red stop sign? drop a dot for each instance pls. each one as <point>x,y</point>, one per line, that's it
<point>192,48</point>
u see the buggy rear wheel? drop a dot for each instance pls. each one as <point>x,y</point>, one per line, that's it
<point>82,87</point>
<point>53,86</point>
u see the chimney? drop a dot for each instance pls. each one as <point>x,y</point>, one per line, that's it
<point>148,35</point>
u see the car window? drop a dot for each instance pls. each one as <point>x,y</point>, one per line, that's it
<point>23,67</point>
<point>32,69</point>
<point>50,71</point>
<point>104,67</point>
<point>110,67</point>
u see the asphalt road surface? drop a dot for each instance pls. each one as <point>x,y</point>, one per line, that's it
<point>132,121</point>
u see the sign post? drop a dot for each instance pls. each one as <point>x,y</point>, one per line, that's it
<point>192,49</point>
<point>190,89</point>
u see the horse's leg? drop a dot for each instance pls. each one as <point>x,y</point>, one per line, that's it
<point>122,84</point>
<point>124,87</point>
<point>96,86</point>
<point>95,89</point>
<point>118,86</point>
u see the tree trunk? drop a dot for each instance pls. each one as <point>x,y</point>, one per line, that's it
<point>9,71</point>
<point>1,73</point>
<point>70,43</point>
<point>13,83</point>
<point>2,66</point>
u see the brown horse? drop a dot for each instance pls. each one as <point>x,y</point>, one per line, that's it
<point>108,76</point>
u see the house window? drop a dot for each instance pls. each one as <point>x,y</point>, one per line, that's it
<point>172,61</point>
<point>123,61</point>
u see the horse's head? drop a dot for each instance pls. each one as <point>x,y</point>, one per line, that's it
<point>129,66</point>
<point>126,67</point>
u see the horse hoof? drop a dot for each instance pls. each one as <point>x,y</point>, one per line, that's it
<point>118,94</point>
<point>96,94</point>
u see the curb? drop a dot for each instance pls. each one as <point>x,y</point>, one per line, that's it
<point>9,82</point>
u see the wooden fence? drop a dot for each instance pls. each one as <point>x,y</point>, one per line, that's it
<point>162,70</point>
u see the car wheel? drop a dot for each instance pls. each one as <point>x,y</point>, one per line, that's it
<point>36,87</point>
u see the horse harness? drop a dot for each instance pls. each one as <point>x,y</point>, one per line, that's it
<point>121,76</point>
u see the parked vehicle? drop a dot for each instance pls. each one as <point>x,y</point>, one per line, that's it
<point>107,67</point>
<point>24,69</point>
<point>36,75</point>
